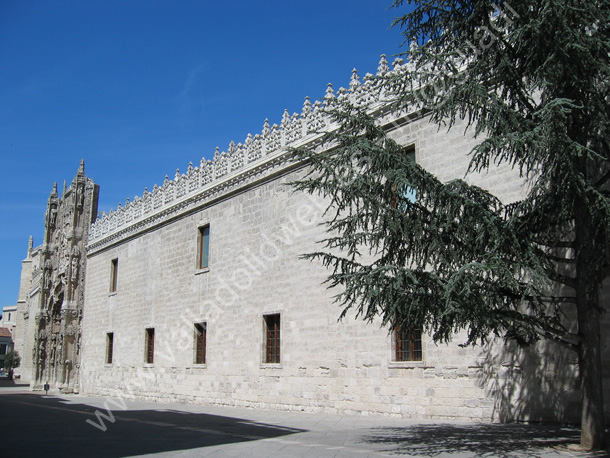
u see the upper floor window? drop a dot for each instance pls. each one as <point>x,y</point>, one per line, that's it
<point>114,274</point>
<point>203,247</point>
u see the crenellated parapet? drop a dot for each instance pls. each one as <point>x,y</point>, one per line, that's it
<point>241,161</point>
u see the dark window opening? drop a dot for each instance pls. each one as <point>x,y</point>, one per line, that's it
<point>150,345</point>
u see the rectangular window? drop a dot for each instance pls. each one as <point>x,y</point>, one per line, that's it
<point>3,349</point>
<point>150,345</point>
<point>203,247</point>
<point>200,342</point>
<point>407,346</point>
<point>109,347</point>
<point>272,338</point>
<point>114,272</point>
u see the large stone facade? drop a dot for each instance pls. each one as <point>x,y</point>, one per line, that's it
<point>196,292</point>
<point>152,306</point>
<point>51,295</point>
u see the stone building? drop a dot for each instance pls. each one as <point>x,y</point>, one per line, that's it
<point>195,292</point>
<point>51,294</point>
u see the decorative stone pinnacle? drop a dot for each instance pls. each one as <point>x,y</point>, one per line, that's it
<point>306,107</point>
<point>81,168</point>
<point>354,83</point>
<point>285,118</point>
<point>383,67</point>
<point>398,62</point>
<point>266,129</point>
<point>177,176</point>
<point>329,97</point>
<point>54,190</point>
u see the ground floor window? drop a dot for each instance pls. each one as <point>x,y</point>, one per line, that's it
<point>109,347</point>
<point>407,346</point>
<point>200,342</point>
<point>272,338</point>
<point>150,345</point>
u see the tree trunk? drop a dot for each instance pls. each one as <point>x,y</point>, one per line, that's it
<point>593,433</point>
<point>590,366</point>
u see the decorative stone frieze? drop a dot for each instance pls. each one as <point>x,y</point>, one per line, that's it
<point>257,155</point>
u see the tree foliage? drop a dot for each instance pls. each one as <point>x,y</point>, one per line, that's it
<point>532,80</point>
<point>12,360</point>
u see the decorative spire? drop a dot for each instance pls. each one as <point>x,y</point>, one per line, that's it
<point>354,83</point>
<point>398,62</point>
<point>81,168</point>
<point>65,189</point>
<point>329,97</point>
<point>266,128</point>
<point>177,176</point>
<point>383,67</point>
<point>30,246</point>
<point>54,190</point>
<point>285,118</point>
<point>306,108</point>
<point>232,148</point>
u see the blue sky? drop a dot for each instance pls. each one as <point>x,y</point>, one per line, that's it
<point>141,88</point>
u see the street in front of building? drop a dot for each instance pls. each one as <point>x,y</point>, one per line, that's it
<point>34,424</point>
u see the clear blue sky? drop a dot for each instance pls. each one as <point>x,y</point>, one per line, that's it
<point>141,88</point>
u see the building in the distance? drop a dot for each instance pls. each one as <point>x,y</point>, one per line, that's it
<point>9,316</point>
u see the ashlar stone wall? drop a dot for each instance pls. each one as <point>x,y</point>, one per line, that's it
<point>257,233</point>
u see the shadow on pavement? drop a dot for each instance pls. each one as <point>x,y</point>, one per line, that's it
<point>15,383</point>
<point>38,425</point>
<point>484,440</point>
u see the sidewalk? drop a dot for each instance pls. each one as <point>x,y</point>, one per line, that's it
<point>138,428</point>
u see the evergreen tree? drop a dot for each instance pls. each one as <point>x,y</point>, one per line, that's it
<point>532,80</point>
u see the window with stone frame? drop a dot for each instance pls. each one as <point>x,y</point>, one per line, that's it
<point>109,347</point>
<point>114,274</point>
<point>150,346</point>
<point>272,338</point>
<point>3,348</point>
<point>200,342</point>
<point>407,346</point>
<point>203,247</point>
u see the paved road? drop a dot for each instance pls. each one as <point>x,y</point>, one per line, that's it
<point>35,425</point>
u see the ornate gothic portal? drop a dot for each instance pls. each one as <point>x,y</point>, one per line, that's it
<point>56,350</point>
